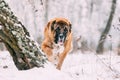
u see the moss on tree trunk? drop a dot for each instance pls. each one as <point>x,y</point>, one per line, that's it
<point>25,52</point>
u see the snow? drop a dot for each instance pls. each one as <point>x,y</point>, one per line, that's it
<point>11,73</point>
<point>0,27</point>
<point>77,66</point>
<point>89,66</point>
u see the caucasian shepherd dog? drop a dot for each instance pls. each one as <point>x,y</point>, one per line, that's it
<point>57,40</point>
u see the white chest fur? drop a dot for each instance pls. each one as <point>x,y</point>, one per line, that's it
<point>58,49</point>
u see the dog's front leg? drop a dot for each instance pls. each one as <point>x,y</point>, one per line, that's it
<point>61,59</point>
<point>62,56</point>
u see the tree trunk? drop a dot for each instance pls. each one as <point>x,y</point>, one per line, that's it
<point>25,52</point>
<point>46,10</point>
<point>100,47</point>
<point>118,49</point>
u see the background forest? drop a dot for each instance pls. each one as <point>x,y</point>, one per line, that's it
<point>89,19</point>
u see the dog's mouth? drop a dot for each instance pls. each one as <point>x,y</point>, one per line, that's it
<point>61,42</point>
<point>61,39</point>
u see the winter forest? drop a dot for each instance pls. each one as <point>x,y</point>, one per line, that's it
<point>96,39</point>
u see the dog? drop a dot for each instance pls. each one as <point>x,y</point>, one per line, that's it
<point>57,40</point>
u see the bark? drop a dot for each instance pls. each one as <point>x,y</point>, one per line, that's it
<point>25,52</point>
<point>100,47</point>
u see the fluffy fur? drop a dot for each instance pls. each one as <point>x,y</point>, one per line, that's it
<point>57,40</point>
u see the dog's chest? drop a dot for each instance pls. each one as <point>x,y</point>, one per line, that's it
<point>58,49</point>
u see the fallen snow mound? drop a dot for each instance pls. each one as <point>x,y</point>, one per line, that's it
<point>76,66</point>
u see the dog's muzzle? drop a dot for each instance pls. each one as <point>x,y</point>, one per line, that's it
<point>61,39</point>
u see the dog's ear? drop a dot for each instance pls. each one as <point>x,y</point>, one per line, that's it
<point>52,25</point>
<point>70,25</point>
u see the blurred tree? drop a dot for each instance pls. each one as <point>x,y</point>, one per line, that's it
<point>46,10</point>
<point>25,52</point>
<point>37,18</point>
<point>100,47</point>
<point>119,49</point>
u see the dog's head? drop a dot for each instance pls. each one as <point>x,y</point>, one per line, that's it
<point>60,29</point>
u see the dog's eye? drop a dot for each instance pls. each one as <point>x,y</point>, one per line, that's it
<point>65,30</point>
<point>57,29</point>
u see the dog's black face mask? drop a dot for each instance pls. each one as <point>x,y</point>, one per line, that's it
<point>60,35</point>
<point>61,30</point>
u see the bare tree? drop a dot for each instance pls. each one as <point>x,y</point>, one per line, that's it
<point>25,52</point>
<point>100,47</point>
<point>46,10</point>
<point>119,49</point>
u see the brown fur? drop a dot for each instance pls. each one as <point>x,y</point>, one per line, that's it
<point>48,43</point>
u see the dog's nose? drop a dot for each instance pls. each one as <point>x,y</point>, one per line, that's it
<point>61,36</point>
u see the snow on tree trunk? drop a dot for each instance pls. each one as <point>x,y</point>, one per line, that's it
<point>100,47</point>
<point>25,52</point>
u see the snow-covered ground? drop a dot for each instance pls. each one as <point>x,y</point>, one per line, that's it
<point>77,66</point>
